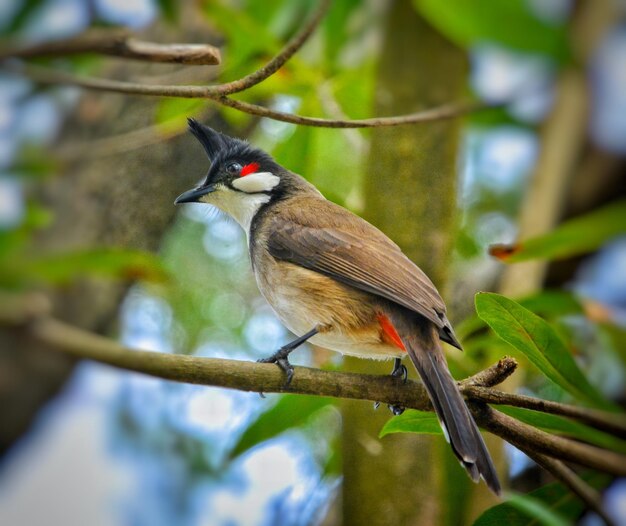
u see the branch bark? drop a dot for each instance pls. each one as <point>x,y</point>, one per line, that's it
<point>569,478</point>
<point>29,314</point>
<point>184,53</point>
<point>524,437</point>
<point>119,43</point>
<point>46,75</point>
<point>603,420</point>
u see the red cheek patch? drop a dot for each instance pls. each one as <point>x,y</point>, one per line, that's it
<point>249,169</point>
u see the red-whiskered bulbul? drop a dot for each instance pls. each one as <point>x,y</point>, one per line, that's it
<point>334,279</point>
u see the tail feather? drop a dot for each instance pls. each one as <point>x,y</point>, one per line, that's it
<point>422,343</point>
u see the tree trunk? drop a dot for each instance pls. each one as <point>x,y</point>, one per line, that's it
<point>100,198</point>
<point>410,193</point>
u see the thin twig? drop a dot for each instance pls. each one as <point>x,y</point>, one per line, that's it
<point>611,422</point>
<point>281,58</point>
<point>447,111</point>
<point>524,436</point>
<point>569,478</point>
<point>49,76</point>
<point>119,43</point>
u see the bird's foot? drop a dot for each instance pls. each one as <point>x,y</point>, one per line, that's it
<point>396,409</point>
<point>399,371</point>
<point>281,358</point>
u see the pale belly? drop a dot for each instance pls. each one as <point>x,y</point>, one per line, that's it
<point>347,320</point>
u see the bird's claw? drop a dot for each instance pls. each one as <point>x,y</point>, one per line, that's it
<point>396,409</point>
<point>281,358</point>
<point>400,371</point>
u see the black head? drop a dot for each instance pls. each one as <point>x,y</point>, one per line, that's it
<point>235,165</point>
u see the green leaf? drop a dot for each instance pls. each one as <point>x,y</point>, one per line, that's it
<point>539,342</point>
<point>15,239</point>
<point>294,152</point>
<point>537,510</point>
<point>171,114</point>
<point>576,236</point>
<point>105,262</point>
<point>413,421</point>
<point>34,162</point>
<point>558,424</point>
<point>509,23</point>
<point>556,497</point>
<point>336,29</point>
<point>23,15</point>
<point>169,9</point>
<point>547,303</point>
<point>290,411</point>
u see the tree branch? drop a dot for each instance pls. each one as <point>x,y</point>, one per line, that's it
<point>30,313</point>
<point>49,76</point>
<point>569,478</point>
<point>120,46</point>
<point>281,58</point>
<point>119,43</point>
<point>525,437</point>
<point>610,422</point>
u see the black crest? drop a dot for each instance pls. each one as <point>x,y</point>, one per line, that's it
<point>213,141</point>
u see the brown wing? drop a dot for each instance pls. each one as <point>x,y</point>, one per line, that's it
<point>317,238</point>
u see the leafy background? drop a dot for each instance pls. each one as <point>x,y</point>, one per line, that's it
<point>158,453</point>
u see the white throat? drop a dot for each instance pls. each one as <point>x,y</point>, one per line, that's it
<point>240,206</point>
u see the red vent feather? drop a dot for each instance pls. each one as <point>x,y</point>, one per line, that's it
<point>390,335</point>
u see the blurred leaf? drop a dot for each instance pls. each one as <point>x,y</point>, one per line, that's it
<point>495,116</point>
<point>22,15</point>
<point>510,23</point>
<point>290,411</point>
<point>564,426</point>
<point>616,339</point>
<point>556,497</point>
<point>539,342</point>
<point>247,40</point>
<point>335,27</point>
<point>537,510</point>
<point>34,162</point>
<point>171,114</point>
<point>576,236</point>
<point>15,239</point>
<point>169,9</point>
<point>106,262</point>
<point>354,89</point>
<point>413,421</point>
<point>294,152</point>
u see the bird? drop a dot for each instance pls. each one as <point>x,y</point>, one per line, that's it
<point>335,280</point>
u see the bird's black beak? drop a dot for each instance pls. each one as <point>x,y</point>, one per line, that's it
<point>194,195</point>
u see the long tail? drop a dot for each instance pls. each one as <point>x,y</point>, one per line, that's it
<point>421,340</point>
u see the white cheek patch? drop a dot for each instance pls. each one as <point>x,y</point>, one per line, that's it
<point>256,182</point>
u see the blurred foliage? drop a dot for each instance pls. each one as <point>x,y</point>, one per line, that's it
<point>290,411</point>
<point>576,236</point>
<point>511,24</point>
<point>213,297</point>
<point>559,425</point>
<point>551,504</point>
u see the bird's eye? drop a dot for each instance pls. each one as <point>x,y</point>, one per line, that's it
<point>233,168</point>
